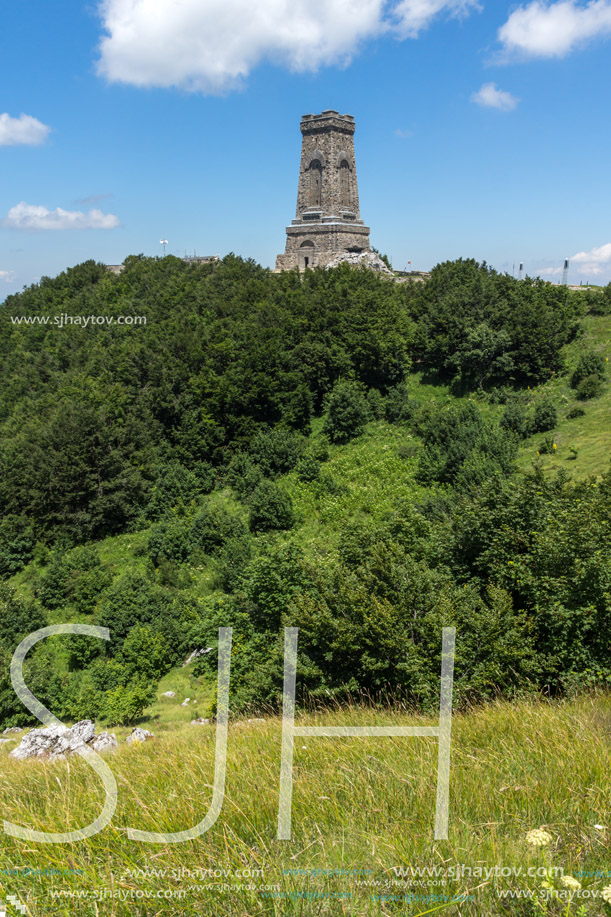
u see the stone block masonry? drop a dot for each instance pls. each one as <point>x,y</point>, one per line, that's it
<point>328,220</point>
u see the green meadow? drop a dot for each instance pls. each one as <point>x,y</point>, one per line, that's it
<point>362,816</point>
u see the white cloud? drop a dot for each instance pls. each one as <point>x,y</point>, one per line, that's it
<point>553,29</point>
<point>413,16</point>
<point>212,45</point>
<point>596,261</point>
<point>549,271</point>
<point>490,96</point>
<point>35,217</point>
<point>24,130</point>
<point>405,135</point>
<point>7,276</point>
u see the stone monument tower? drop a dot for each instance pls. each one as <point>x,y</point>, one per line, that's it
<point>328,221</point>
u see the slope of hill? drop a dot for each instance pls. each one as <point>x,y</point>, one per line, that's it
<point>368,462</point>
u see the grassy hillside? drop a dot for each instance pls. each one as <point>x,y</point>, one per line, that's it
<point>363,809</point>
<point>589,435</point>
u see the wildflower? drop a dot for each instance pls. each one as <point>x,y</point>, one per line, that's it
<point>555,446</point>
<point>539,838</point>
<point>538,453</point>
<point>571,883</point>
<point>606,894</point>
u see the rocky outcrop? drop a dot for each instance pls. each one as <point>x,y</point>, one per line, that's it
<point>106,741</point>
<point>54,742</point>
<point>361,259</point>
<point>139,735</point>
<point>196,654</point>
<point>169,694</point>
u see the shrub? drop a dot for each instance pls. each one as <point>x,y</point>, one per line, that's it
<point>75,578</point>
<point>589,364</point>
<point>397,406</point>
<point>175,487</point>
<point>270,508</point>
<point>348,412</point>
<point>243,474</point>
<point>308,468</point>
<point>590,387</point>
<point>82,650</point>
<point>272,579</point>
<point>545,417</point>
<point>376,404</point>
<point>233,562</point>
<point>575,412</point>
<point>212,528</point>
<point>276,451</point>
<point>145,654</point>
<point>516,419</point>
<point>79,697</point>
<point>319,449</point>
<point>17,618</point>
<point>123,705</point>
<point>330,485</point>
<point>461,447</point>
<point>168,541</point>
<point>133,600</point>
<point>16,544</point>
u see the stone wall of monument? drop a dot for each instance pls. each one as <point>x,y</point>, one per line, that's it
<point>320,244</point>
<point>330,141</point>
<point>328,220</point>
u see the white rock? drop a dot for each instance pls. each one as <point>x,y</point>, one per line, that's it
<point>139,735</point>
<point>54,741</point>
<point>196,654</point>
<point>84,731</point>
<point>200,721</point>
<point>10,729</point>
<point>186,701</point>
<point>106,741</point>
<point>169,694</point>
<point>365,259</point>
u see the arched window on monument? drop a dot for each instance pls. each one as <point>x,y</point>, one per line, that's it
<point>306,255</point>
<point>315,182</point>
<point>344,185</point>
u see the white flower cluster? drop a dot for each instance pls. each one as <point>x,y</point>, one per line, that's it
<point>539,838</point>
<point>571,883</point>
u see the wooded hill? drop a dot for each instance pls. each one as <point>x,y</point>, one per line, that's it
<point>332,451</point>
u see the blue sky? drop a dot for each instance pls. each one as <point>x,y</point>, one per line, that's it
<point>483,130</point>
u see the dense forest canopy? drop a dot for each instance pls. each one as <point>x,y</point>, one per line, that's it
<point>112,428</point>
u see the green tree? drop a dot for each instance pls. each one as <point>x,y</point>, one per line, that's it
<point>270,508</point>
<point>545,416</point>
<point>589,364</point>
<point>347,412</point>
